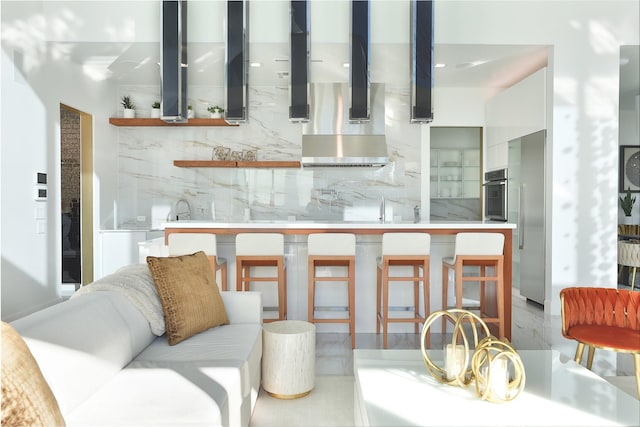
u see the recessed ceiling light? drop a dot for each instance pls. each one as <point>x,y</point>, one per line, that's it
<point>256,64</point>
<point>440,65</point>
<point>345,64</point>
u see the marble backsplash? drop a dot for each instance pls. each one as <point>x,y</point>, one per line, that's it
<point>149,185</point>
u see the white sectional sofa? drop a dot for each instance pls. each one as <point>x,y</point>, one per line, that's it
<point>106,367</point>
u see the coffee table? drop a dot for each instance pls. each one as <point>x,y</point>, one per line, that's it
<point>394,388</point>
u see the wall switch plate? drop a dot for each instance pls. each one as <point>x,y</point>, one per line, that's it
<point>141,218</point>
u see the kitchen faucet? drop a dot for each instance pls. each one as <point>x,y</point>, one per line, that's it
<point>183,210</point>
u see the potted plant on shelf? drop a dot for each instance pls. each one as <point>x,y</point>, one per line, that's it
<point>215,112</point>
<point>627,204</point>
<point>155,110</point>
<point>190,113</point>
<point>129,107</point>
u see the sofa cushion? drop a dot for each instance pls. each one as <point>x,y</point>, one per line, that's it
<point>190,298</point>
<point>83,342</point>
<point>230,342</point>
<point>158,395</point>
<point>27,399</point>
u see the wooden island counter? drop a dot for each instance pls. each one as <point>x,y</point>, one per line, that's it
<point>369,234</point>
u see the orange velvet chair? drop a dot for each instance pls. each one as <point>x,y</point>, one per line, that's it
<point>605,318</point>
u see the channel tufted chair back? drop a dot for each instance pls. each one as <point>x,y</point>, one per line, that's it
<point>605,318</point>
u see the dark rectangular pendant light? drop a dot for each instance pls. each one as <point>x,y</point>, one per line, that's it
<point>299,61</point>
<point>422,66</point>
<point>359,79</point>
<point>173,61</point>
<point>236,55</point>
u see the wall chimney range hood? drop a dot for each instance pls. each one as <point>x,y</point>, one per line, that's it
<point>173,61</point>
<point>330,139</point>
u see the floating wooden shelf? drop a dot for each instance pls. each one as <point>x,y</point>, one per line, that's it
<point>235,164</point>
<point>118,121</point>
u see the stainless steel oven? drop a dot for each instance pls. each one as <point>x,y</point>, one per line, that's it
<point>495,195</point>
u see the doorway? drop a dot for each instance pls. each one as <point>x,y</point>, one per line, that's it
<point>76,197</point>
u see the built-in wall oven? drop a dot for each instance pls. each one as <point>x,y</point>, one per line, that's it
<point>495,195</point>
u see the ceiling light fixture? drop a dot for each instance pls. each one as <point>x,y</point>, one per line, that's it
<point>256,64</point>
<point>440,65</point>
<point>345,64</point>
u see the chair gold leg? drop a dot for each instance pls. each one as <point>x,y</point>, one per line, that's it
<point>633,277</point>
<point>636,364</point>
<point>592,351</point>
<point>579,351</point>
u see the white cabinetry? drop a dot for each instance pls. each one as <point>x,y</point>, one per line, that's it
<point>455,173</point>
<point>119,248</point>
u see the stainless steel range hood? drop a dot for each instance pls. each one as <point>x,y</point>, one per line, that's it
<point>330,139</point>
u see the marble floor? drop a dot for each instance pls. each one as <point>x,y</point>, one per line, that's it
<point>334,356</point>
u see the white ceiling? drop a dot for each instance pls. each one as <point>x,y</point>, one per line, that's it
<point>490,67</point>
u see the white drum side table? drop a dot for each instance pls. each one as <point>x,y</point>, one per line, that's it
<point>288,358</point>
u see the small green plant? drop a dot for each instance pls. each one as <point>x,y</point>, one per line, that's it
<point>627,203</point>
<point>155,105</point>
<point>215,109</point>
<point>127,103</point>
<point>189,107</point>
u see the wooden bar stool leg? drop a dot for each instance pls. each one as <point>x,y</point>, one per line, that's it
<point>500,297</point>
<point>385,303</point>
<point>427,297</point>
<point>416,296</point>
<point>445,286</point>
<point>378,300</point>
<point>352,302</point>
<point>223,273</point>
<point>239,271</point>
<point>312,283</point>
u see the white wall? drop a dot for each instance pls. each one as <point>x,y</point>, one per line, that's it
<point>31,98</point>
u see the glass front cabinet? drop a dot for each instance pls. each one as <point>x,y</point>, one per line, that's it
<point>455,173</point>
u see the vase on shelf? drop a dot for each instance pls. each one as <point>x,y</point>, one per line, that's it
<point>129,113</point>
<point>191,114</point>
<point>215,115</point>
<point>155,113</point>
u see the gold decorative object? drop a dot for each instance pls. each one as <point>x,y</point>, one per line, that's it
<point>236,156</point>
<point>492,360</point>
<point>459,369</point>
<point>491,368</point>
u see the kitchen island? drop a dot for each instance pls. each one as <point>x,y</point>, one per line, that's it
<point>368,236</point>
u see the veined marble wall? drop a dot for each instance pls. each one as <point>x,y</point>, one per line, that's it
<point>149,185</point>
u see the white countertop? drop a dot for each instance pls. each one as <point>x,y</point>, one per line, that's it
<point>333,225</point>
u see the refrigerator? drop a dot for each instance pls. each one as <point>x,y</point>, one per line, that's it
<point>526,209</point>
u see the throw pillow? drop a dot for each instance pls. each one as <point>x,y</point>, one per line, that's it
<point>190,297</point>
<point>27,399</point>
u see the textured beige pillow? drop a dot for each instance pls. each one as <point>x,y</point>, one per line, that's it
<point>190,298</point>
<point>27,399</point>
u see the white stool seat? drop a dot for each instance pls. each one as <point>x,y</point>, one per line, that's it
<point>288,358</point>
<point>188,243</point>
<point>402,250</point>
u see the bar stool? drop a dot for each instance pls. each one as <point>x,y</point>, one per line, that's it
<point>262,250</point>
<point>480,250</point>
<point>398,250</point>
<point>332,250</point>
<point>188,243</point>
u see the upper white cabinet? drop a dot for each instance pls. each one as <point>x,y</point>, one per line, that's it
<point>515,112</point>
